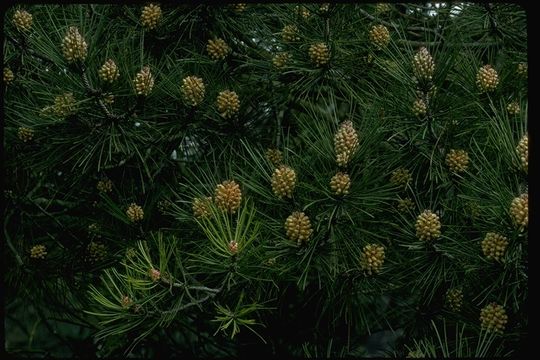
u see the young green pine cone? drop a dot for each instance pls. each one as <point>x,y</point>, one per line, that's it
<point>401,177</point>
<point>109,71</point>
<point>382,8</point>
<point>454,299</point>
<point>150,16</point>
<point>192,90</point>
<point>135,213</point>
<point>457,160</point>
<point>419,107</point>
<point>228,104</point>
<point>228,196</point>
<point>74,46</point>
<point>8,76</point>
<point>281,59</point>
<point>144,81</point>
<point>340,183</point>
<point>64,105</point>
<point>487,78</point>
<point>104,186</point>
<point>523,152</point>
<point>201,206</point>
<point>319,54</point>
<point>217,49</point>
<point>513,108</point>
<point>379,36</point>
<point>428,226</point>
<point>345,143</point>
<point>274,156</point>
<point>97,251</point>
<point>290,33</point>
<point>298,227</point>
<point>283,181</point>
<point>22,20</point>
<point>372,258</point>
<point>423,65</point>
<point>519,210</point>
<point>405,205</point>
<point>38,252</point>
<point>494,245</point>
<point>523,69</point>
<point>493,318</point>
<point>25,134</point>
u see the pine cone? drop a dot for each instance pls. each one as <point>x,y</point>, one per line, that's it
<point>419,107</point>
<point>519,210</point>
<point>74,46</point>
<point>150,16</point>
<point>193,90</point>
<point>281,59</point>
<point>319,54</point>
<point>382,8</point>
<point>154,274</point>
<point>494,245</point>
<point>493,318</point>
<point>372,258</point>
<point>233,247</point>
<point>109,71</point>
<point>38,252</point>
<point>201,206</point>
<point>217,49</point>
<point>108,98</point>
<point>324,8</point>
<point>228,196</point>
<point>345,143</point>
<point>513,108</point>
<point>25,134</point>
<point>401,177</point>
<point>454,299</point>
<point>298,227</point>
<point>228,104</point>
<point>428,226</point>
<point>379,36</point>
<point>457,160</point>
<point>423,65</point>
<point>302,11</point>
<point>240,7</point>
<point>487,78</point>
<point>283,181</point>
<point>523,152</point>
<point>523,69</point>
<point>93,228</point>
<point>64,105</point>
<point>274,156</point>
<point>126,302</point>
<point>104,186</point>
<point>405,205</point>
<point>290,33</point>
<point>134,212</point>
<point>415,354</point>
<point>340,183</point>
<point>96,251</point>
<point>144,81</point>
<point>8,76</point>
<point>163,206</point>
<point>22,20</point>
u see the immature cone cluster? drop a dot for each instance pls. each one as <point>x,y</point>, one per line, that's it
<point>38,252</point>
<point>150,16</point>
<point>494,245</point>
<point>217,49</point>
<point>324,7</point>
<point>108,98</point>
<point>405,205</point>
<point>372,258</point>
<point>134,212</point>
<point>144,81</point>
<point>25,134</point>
<point>302,11</point>
<point>487,78</point>
<point>519,210</point>
<point>454,299</point>
<point>401,177</point>
<point>109,71</point>
<point>382,8</point>
<point>74,46</point>
<point>289,33</point>
<point>419,107</point>
<point>513,108</point>
<point>457,160</point>
<point>233,247</point>
<point>345,143</point>
<point>126,302</point>
<point>415,354</point>
<point>228,103</point>
<point>281,59</point>
<point>163,206</point>
<point>104,185</point>
<point>239,7</point>
<point>423,65</point>
<point>228,196</point>
<point>274,156</point>
<point>493,318</point>
<point>523,152</point>
<point>340,183</point>
<point>201,206</point>
<point>192,90</point>
<point>298,227</point>
<point>283,181</point>
<point>428,226</point>
<point>379,36</point>
<point>8,76</point>
<point>319,54</point>
<point>64,105</point>
<point>154,274</point>
<point>522,69</point>
<point>22,20</point>
<point>96,251</point>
